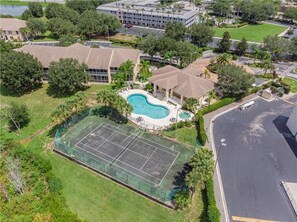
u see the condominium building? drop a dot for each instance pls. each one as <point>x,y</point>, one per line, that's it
<point>102,62</point>
<point>149,13</point>
<point>10,29</point>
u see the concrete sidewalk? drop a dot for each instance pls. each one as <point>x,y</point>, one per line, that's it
<point>291,191</point>
<point>208,120</point>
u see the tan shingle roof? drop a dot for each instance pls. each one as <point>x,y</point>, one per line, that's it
<point>95,58</point>
<point>12,24</point>
<point>182,83</point>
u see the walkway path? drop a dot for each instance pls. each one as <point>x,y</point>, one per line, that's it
<point>208,120</point>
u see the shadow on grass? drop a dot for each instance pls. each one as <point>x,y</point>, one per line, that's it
<point>203,215</point>
<point>56,93</point>
<point>4,91</point>
<point>110,113</point>
<point>179,179</point>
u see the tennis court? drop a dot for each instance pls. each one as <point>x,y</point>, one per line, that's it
<point>136,155</point>
<point>142,161</point>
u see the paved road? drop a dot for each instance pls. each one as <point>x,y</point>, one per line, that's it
<point>257,157</point>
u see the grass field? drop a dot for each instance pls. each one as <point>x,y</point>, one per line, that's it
<point>186,135</point>
<point>91,196</point>
<point>253,33</point>
<point>292,83</point>
<point>19,3</point>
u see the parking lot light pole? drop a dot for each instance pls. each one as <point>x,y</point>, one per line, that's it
<point>223,144</point>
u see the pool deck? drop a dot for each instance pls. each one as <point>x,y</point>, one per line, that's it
<point>150,123</point>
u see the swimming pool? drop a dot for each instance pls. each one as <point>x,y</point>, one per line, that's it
<point>142,106</point>
<point>184,115</point>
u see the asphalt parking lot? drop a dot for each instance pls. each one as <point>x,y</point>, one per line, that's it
<point>259,154</point>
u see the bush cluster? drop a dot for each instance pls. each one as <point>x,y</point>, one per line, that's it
<point>123,42</point>
<point>238,25</point>
<point>179,125</point>
<point>201,134</point>
<point>213,213</point>
<point>217,105</point>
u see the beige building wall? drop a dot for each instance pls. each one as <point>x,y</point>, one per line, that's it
<point>12,36</point>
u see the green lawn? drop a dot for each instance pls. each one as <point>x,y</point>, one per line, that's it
<point>18,2</point>
<point>185,135</point>
<point>253,33</point>
<point>292,83</point>
<point>93,197</point>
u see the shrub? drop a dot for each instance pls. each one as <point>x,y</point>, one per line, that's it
<point>148,87</point>
<point>181,199</point>
<point>201,134</point>
<point>123,42</point>
<point>217,105</point>
<point>179,125</point>
<point>213,213</point>
<point>234,57</point>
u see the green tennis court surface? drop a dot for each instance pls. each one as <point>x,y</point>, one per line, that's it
<point>142,161</point>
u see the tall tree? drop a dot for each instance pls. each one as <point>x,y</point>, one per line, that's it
<point>80,5</point>
<point>144,69</point>
<point>175,30</point>
<point>222,8</point>
<point>55,10</point>
<point>149,45</point>
<point>35,9</point>
<point>126,69</point>
<point>60,27</point>
<point>277,46</point>
<point>224,59</point>
<point>20,72</point>
<point>234,81</point>
<point>18,115</point>
<point>36,26</point>
<point>225,44</point>
<point>67,76</point>
<point>290,14</point>
<point>241,47</point>
<point>201,34</point>
<point>67,40</point>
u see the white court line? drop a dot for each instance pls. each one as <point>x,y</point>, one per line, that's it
<point>88,134</point>
<point>160,145</point>
<point>148,159</point>
<point>169,169</point>
<point>120,166</point>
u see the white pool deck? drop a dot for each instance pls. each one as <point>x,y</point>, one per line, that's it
<point>150,123</point>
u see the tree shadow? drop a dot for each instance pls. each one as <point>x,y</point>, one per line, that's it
<point>203,215</point>
<point>55,93</point>
<point>179,179</point>
<point>110,113</point>
<point>280,123</point>
<point>4,91</point>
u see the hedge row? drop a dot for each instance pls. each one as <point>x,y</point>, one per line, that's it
<point>201,134</point>
<point>123,42</point>
<point>217,105</point>
<point>224,25</point>
<point>213,213</point>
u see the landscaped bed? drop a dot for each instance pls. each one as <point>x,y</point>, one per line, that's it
<point>253,33</point>
<point>292,83</point>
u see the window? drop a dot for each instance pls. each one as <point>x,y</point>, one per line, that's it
<point>9,32</point>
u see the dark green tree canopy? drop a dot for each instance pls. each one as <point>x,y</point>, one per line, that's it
<point>175,30</point>
<point>54,10</point>
<point>26,14</point>
<point>234,81</point>
<point>149,44</point>
<point>201,34</point>
<point>36,26</point>
<point>291,14</point>
<point>60,27</point>
<point>5,46</point>
<point>81,5</point>
<point>20,72</point>
<point>67,76</point>
<point>241,47</point>
<point>257,11</point>
<point>225,44</point>
<point>35,9</point>
<point>277,46</point>
<point>67,40</point>
<point>18,115</point>
<point>222,8</point>
<point>93,23</point>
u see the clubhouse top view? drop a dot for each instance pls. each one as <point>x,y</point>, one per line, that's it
<point>148,110</point>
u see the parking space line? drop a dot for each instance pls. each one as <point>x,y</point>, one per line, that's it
<point>248,219</point>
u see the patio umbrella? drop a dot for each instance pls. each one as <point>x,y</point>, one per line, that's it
<point>139,119</point>
<point>172,119</point>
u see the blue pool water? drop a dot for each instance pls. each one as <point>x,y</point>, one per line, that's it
<point>143,107</point>
<point>184,115</point>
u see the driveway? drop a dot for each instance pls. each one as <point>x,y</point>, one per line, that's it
<point>259,154</point>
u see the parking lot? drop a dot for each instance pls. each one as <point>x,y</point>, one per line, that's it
<point>257,154</point>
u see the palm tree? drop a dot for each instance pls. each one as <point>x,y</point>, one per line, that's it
<point>211,95</point>
<point>126,69</point>
<point>192,179</point>
<point>25,31</point>
<point>267,64</point>
<point>224,59</point>
<point>144,69</point>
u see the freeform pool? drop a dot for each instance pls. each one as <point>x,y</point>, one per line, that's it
<point>184,115</point>
<point>142,106</point>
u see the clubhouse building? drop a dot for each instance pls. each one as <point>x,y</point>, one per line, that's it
<point>102,62</point>
<point>148,13</point>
